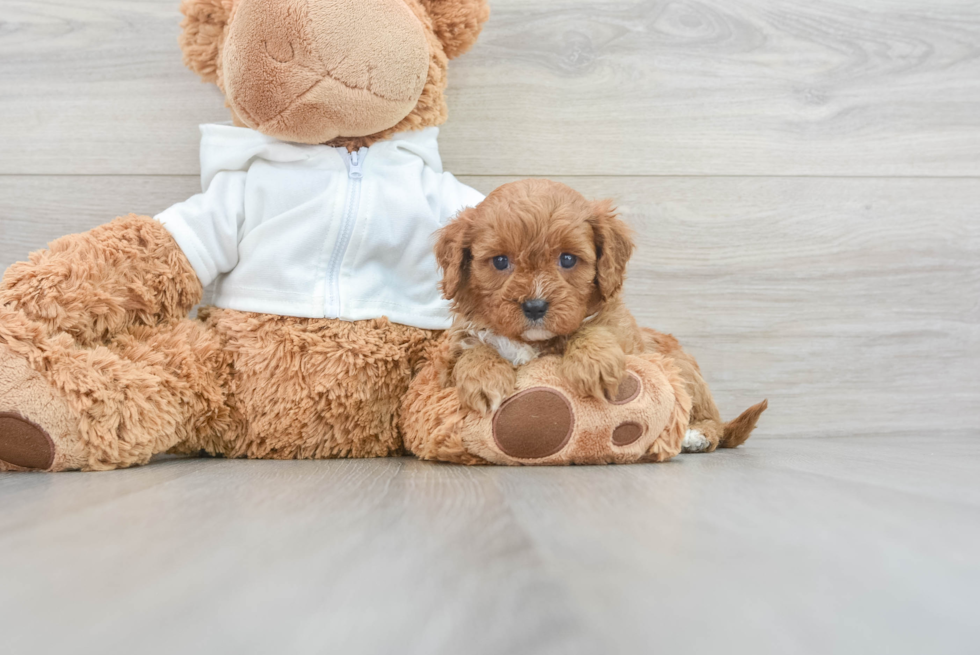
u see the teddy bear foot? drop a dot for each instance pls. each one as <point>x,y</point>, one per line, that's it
<point>548,425</point>
<point>545,423</point>
<point>36,424</point>
<point>539,423</point>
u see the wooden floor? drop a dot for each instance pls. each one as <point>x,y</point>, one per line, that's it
<point>837,545</point>
<point>804,180</point>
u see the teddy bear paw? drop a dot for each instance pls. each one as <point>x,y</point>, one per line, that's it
<point>546,423</point>
<point>37,430</point>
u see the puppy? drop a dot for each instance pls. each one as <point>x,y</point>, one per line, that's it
<point>537,269</point>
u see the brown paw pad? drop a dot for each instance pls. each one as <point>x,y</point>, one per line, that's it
<point>629,389</point>
<point>24,444</point>
<point>534,423</point>
<point>627,433</point>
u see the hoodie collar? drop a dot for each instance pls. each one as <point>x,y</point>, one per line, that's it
<point>225,147</point>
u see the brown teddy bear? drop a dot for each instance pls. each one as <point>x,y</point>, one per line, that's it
<point>315,227</point>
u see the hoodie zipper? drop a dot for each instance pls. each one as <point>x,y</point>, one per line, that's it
<point>355,173</point>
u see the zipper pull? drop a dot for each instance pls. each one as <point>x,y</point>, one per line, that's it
<point>355,164</point>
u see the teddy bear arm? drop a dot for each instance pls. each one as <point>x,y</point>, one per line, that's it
<point>99,283</point>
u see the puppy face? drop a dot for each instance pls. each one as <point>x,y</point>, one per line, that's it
<point>533,260</point>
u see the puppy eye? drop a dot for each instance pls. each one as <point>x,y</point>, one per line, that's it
<point>501,262</point>
<point>567,261</point>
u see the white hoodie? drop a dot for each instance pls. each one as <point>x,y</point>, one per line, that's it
<point>313,231</point>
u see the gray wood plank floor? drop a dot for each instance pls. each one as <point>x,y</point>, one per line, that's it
<point>837,545</point>
<point>804,180</point>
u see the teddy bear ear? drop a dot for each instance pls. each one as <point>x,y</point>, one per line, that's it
<point>457,23</point>
<point>203,30</point>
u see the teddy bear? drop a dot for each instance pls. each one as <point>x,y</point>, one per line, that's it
<point>324,326</point>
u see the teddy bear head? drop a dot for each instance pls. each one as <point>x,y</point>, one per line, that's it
<point>342,72</point>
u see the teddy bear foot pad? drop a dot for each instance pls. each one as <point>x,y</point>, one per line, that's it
<point>539,422</point>
<point>545,423</point>
<point>24,444</point>
<point>34,420</point>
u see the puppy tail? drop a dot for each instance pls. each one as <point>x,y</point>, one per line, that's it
<point>737,431</point>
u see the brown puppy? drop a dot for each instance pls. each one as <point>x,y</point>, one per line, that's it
<point>538,269</point>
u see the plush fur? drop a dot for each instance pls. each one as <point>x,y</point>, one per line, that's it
<point>437,426</point>
<point>98,360</point>
<point>229,383</point>
<point>533,226</point>
<point>101,368</point>
<point>94,285</point>
<point>134,388</point>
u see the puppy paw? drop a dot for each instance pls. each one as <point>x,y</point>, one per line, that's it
<point>695,442</point>
<point>597,377</point>
<point>485,393</point>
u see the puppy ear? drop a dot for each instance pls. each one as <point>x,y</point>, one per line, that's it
<point>613,247</point>
<point>452,254</point>
<point>203,32</point>
<point>457,23</point>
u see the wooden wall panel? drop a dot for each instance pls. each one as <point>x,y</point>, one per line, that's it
<point>554,87</point>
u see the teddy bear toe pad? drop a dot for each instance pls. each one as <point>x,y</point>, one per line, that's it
<point>629,389</point>
<point>24,444</point>
<point>534,423</point>
<point>37,428</point>
<point>627,433</point>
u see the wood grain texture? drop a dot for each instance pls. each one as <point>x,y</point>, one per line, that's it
<point>852,304</point>
<point>855,545</point>
<point>35,210</point>
<point>803,180</point>
<point>554,87</point>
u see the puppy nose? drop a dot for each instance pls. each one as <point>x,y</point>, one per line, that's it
<point>535,309</point>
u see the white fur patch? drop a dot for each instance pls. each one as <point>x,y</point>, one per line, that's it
<point>515,352</point>
<point>538,334</point>
<point>695,442</point>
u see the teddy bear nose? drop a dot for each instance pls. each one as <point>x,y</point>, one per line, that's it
<point>535,309</point>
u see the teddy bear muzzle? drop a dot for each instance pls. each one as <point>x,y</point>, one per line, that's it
<point>310,71</point>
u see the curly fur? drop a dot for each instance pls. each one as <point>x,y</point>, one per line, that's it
<point>457,23</point>
<point>670,440</point>
<point>94,328</point>
<point>437,426</point>
<point>139,378</point>
<point>338,385</point>
<point>93,285</point>
<point>532,223</point>
<point>431,421</point>
<point>142,392</point>
<point>202,36</point>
